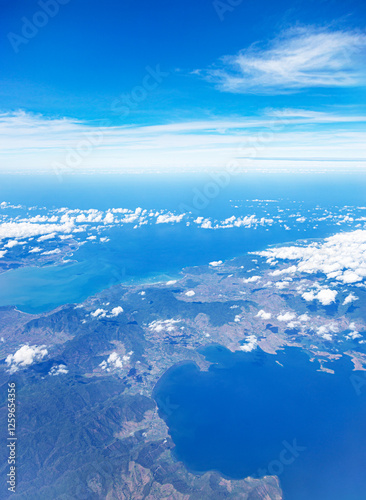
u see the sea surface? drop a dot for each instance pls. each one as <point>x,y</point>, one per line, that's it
<point>160,252</point>
<point>254,414</point>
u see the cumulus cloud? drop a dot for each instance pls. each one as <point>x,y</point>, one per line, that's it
<point>341,257</point>
<point>115,362</point>
<point>299,58</point>
<point>252,279</point>
<point>25,356</point>
<point>354,334</point>
<point>251,343</point>
<point>46,237</point>
<point>52,252</point>
<point>164,219</point>
<point>58,370</point>
<point>98,313</point>
<point>287,316</point>
<point>168,325</point>
<point>14,243</point>
<point>325,331</point>
<point>287,270</point>
<point>325,296</point>
<point>27,229</point>
<point>282,284</point>
<point>206,224</point>
<point>116,311</point>
<point>350,298</point>
<point>263,315</point>
<point>190,293</point>
<point>109,218</point>
<point>215,263</point>
<point>35,250</point>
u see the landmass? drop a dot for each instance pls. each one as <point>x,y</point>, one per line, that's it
<point>88,424</point>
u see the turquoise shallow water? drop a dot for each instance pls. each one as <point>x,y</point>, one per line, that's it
<point>250,416</point>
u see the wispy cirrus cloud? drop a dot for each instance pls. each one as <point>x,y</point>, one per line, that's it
<point>299,58</point>
<point>36,143</point>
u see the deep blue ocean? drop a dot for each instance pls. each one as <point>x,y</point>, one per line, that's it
<point>250,416</point>
<point>236,417</point>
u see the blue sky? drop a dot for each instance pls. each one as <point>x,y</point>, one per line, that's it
<point>180,83</point>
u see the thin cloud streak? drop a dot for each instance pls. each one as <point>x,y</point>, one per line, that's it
<point>31,143</point>
<point>299,59</point>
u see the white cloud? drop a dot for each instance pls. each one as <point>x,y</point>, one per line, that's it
<point>341,257</point>
<point>206,224</point>
<point>299,58</point>
<point>25,356</point>
<point>288,270</point>
<point>46,237</point>
<point>190,293</point>
<point>350,298</point>
<point>324,330</point>
<point>116,311</point>
<point>282,284</point>
<point>252,279</point>
<point>52,252</point>
<point>28,229</point>
<point>168,325</point>
<point>33,143</point>
<point>171,282</point>
<point>35,250</point>
<point>251,343</point>
<point>109,218</point>
<point>115,362</point>
<point>99,313</point>
<point>14,243</point>
<point>287,316</point>
<point>58,370</point>
<point>164,219</point>
<point>325,296</point>
<point>263,315</point>
<point>215,263</point>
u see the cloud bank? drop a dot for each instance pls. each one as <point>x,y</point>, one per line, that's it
<point>341,257</point>
<point>64,147</point>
